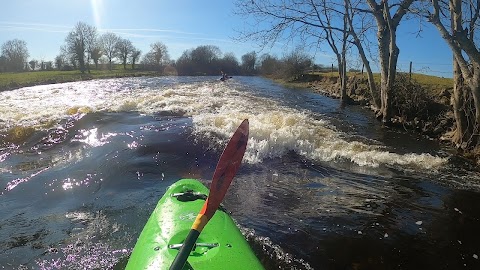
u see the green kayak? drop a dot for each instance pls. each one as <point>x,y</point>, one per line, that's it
<point>221,245</point>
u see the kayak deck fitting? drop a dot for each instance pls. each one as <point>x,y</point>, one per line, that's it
<point>221,245</point>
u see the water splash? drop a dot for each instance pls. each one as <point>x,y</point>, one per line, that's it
<point>216,110</point>
<point>83,255</point>
<point>274,257</point>
<point>86,251</point>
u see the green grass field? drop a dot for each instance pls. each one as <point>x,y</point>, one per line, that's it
<point>435,84</point>
<point>11,80</point>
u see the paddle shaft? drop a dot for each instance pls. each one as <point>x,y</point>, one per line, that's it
<point>185,250</point>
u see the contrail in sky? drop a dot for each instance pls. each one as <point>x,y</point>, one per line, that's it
<point>126,32</point>
<point>34,26</point>
<point>151,30</point>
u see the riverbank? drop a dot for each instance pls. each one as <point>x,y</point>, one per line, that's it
<point>11,81</point>
<point>421,104</point>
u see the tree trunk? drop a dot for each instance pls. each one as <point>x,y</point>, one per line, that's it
<point>366,64</point>
<point>393,52</point>
<point>388,50</point>
<point>343,79</point>
<point>341,75</point>
<point>383,45</point>
<point>466,76</point>
<point>345,97</point>
<point>474,84</point>
<point>458,103</point>
<point>361,51</point>
<point>88,64</point>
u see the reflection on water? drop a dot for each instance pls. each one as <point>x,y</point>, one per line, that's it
<point>82,165</point>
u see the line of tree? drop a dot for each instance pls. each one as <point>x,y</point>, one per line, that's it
<point>209,60</point>
<point>14,56</point>
<point>84,45</point>
<point>345,26</point>
<point>292,64</point>
<point>203,60</point>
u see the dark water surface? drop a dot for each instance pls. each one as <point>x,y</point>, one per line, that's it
<point>82,166</point>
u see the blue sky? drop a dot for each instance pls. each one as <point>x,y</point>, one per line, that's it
<point>180,25</point>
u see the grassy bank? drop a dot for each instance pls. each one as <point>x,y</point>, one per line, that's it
<point>10,80</point>
<point>435,85</point>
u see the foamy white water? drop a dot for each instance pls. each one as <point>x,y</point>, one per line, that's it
<point>216,110</point>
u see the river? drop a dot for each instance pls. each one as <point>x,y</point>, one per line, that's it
<point>83,164</point>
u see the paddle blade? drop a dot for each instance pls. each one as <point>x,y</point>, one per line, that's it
<point>227,167</point>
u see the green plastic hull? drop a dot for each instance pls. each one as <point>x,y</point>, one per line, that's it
<point>220,245</point>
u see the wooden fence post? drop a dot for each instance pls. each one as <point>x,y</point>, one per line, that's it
<point>410,70</point>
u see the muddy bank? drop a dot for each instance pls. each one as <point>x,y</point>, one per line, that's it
<point>430,114</point>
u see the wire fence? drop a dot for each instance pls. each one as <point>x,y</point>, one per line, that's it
<point>443,70</point>
<point>428,68</point>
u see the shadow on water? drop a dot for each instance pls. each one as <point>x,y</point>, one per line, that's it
<point>393,241</point>
<point>332,218</point>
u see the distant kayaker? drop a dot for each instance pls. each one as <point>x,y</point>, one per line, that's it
<point>224,76</point>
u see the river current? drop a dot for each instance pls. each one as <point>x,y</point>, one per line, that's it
<point>83,164</point>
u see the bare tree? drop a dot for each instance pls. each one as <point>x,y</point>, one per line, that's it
<point>159,53</point>
<point>358,29</point>
<point>135,56</point>
<point>109,42</point>
<point>463,19</point>
<point>296,62</point>
<point>65,59</point>
<point>15,54</point>
<point>3,63</point>
<point>157,57</point>
<point>315,22</point>
<point>124,50</point>
<point>33,64</point>
<point>59,61</point>
<point>269,65</point>
<point>203,60</point>
<point>248,63</point>
<point>329,15</point>
<point>91,44</point>
<point>49,65</point>
<point>311,22</point>
<point>229,64</point>
<point>80,42</point>
<point>96,53</point>
<point>387,16</point>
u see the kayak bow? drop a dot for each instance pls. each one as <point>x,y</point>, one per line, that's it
<point>221,245</point>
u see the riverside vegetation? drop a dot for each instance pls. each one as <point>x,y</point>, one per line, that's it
<point>421,103</point>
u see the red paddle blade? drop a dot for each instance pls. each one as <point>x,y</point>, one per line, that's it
<point>227,167</point>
